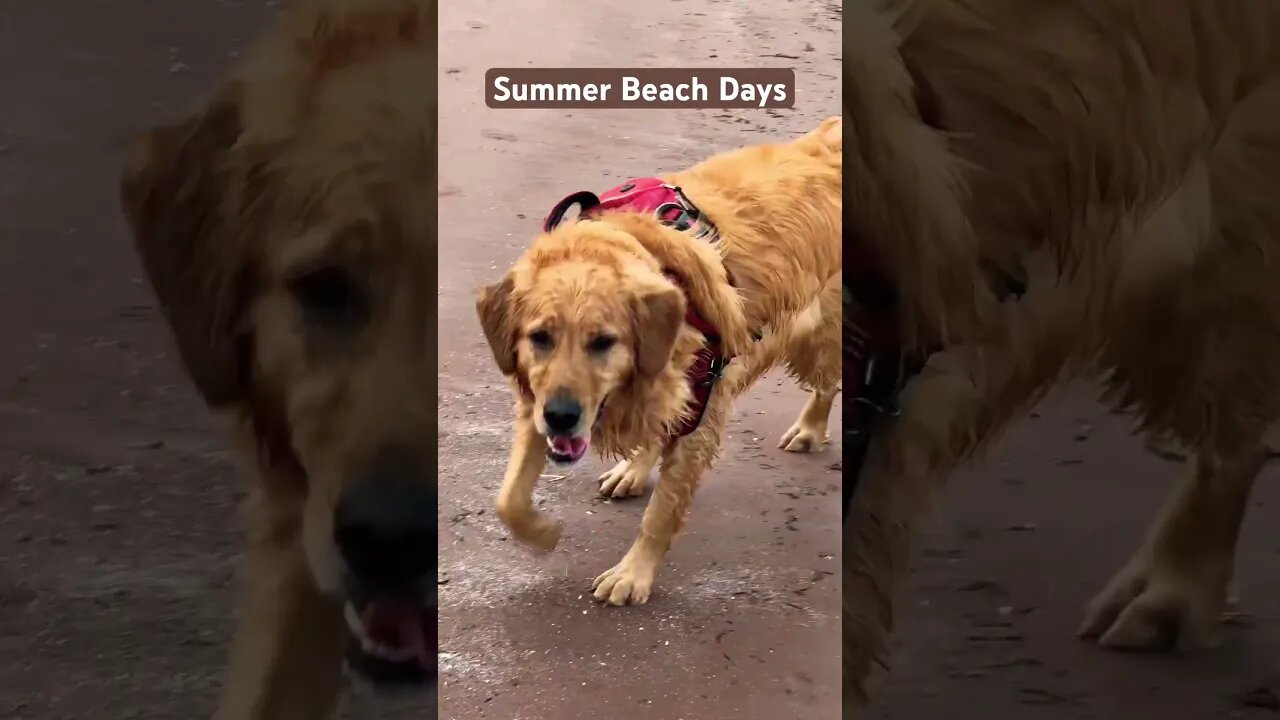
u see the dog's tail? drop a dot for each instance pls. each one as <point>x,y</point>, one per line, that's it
<point>826,142</point>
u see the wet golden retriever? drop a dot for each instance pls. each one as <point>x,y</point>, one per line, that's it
<point>590,327</point>
<point>1121,160</point>
<point>289,231</point>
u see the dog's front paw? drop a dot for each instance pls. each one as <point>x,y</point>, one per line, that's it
<point>533,529</point>
<point>627,479</point>
<point>1153,609</point>
<point>545,535</point>
<point>803,438</point>
<point>627,583</point>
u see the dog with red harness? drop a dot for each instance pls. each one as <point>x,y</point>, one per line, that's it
<point>632,326</point>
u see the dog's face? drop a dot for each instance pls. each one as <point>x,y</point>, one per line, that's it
<point>300,285</point>
<point>578,318</point>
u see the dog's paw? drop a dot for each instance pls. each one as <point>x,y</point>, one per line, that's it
<point>803,439</point>
<point>627,583</point>
<point>1156,610</point>
<point>540,532</point>
<point>626,479</point>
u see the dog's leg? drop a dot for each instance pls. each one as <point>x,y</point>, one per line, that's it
<point>515,499</point>
<point>1176,588</point>
<point>812,350</point>
<point>1173,592</point>
<point>809,433</point>
<point>631,580</point>
<point>630,477</point>
<point>286,658</point>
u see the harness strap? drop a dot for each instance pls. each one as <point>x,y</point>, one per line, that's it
<point>873,367</point>
<point>886,375</point>
<point>875,371</point>
<point>708,366</point>
<point>586,202</point>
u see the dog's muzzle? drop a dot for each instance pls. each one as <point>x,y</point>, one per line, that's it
<point>385,528</point>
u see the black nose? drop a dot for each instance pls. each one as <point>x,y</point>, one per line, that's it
<point>385,527</point>
<point>561,413</point>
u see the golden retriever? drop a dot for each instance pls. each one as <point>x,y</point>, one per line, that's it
<point>590,327</point>
<point>1119,160</point>
<point>289,231</point>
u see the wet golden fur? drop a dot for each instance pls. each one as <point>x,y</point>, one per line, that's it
<point>778,211</point>
<point>317,152</point>
<point>1122,157</point>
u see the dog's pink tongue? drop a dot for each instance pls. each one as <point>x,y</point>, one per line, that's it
<point>574,447</point>
<point>401,626</point>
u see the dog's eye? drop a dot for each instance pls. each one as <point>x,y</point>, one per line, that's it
<point>540,339</point>
<point>328,293</point>
<point>601,343</point>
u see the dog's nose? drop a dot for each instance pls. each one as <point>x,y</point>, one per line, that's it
<point>561,413</point>
<point>385,527</point>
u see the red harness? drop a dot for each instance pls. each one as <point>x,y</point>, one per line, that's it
<point>673,209</point>
<point>868,321</point>
<point>874,367</point>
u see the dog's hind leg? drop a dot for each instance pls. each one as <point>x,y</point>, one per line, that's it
<point>809,433</point>
<point>812,354</point>
<point>630,477</point>
<point>1174,591</point>
<point>1214,384</point>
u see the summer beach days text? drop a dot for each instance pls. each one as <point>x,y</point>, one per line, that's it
<point>615,88</point>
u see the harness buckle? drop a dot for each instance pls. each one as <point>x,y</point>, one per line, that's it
<point>689,216</point>
<point>716,371</point>
<point>887,407</point>
<point>684,219</point>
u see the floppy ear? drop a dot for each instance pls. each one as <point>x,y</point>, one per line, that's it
<point>497,318</point>
<point>658,316</point>
<point>172,190</point>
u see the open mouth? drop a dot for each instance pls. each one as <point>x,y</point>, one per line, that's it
<point>566,449</point>
<point>393,642</point>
